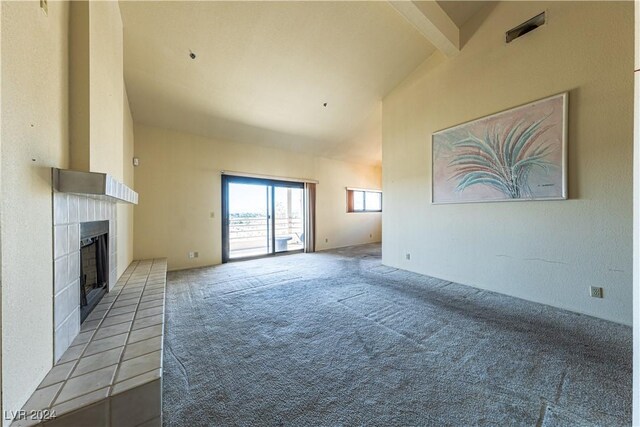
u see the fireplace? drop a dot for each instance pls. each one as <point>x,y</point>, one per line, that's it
<point>94,265</point>
<point>72,215</point>
<point>84,225</point>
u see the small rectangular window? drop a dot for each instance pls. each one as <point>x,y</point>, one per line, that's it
<point>360,200</point>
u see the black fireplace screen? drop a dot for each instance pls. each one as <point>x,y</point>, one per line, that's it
<point>94,265</point>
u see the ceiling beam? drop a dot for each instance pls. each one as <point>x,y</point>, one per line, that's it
<point>432,22</point>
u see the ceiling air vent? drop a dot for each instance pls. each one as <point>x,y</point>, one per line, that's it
<point>525,27</point>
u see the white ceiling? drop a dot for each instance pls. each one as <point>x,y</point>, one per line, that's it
<point>264,69</point>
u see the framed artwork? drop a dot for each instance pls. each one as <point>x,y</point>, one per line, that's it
<point>518,154</point>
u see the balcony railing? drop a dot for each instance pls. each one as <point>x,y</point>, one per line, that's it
<point>252,236</point>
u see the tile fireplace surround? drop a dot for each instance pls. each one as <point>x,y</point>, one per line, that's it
<point>112,373</point>
<point>69,210</point>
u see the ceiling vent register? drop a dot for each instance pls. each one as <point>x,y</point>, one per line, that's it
<point>526,27</point>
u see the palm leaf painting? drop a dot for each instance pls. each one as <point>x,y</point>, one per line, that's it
<point>513,155</point>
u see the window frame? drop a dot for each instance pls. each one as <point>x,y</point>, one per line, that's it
<point>350,200</point>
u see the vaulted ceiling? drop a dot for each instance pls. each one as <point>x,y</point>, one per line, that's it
<point>263,71</point>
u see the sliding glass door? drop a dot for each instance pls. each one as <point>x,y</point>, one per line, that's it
<point>289,223</point>
<point>261,217</point>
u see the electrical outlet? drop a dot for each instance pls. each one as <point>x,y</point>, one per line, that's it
<point>596,292</point>
<point>407,256</point>
<point>193,255</point>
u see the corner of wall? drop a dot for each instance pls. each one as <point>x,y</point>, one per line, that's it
<point>126,211</point>
<point>79,107</point>
<point>636,225</point>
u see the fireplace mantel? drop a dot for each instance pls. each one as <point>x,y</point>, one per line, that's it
<point>92,184</point>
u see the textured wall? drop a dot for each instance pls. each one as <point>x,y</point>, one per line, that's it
<point>106,88</point>
<point>548,252</point>
<point>35,138</point>
<point>636,228</point>
<point>179,185</point>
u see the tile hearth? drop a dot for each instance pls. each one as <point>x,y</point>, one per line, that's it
<point>112,372</point>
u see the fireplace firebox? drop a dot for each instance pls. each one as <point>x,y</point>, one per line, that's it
<point>94,265</point>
